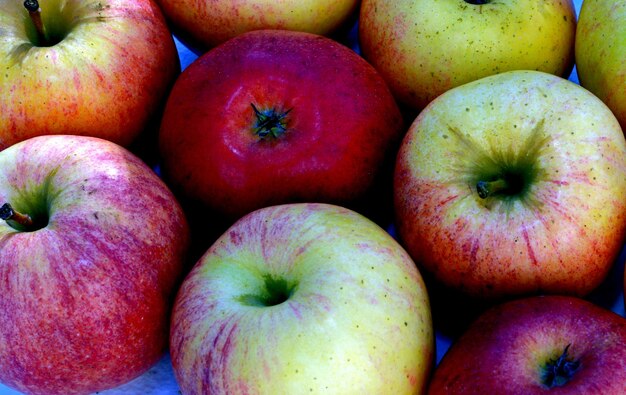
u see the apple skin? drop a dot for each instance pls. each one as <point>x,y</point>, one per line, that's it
<point>85,301</point>
<point>601,53</point>
<point>505,349</point>
<point>210,23</point>
<point>106,78</point>
<point>337,140</point>
<point>560,234</point>
<point>423,48</point>
<point>356,318</point>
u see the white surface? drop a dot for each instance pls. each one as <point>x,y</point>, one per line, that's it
<point>159,380</point>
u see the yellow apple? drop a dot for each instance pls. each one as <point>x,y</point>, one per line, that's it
<point>424,47</point>
<point>601,52</point>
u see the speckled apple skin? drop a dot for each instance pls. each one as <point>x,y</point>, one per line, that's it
<point>601,53</point>
<point>567,232</point>
<point>342,127</point>
<point>85,301</point>
<point>504,350</point>
<point>107,78</point>
<point>210,23</point>
<point>358,320</point>
<point>423,48</point>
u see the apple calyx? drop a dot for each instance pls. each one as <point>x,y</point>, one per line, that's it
<point>15,219</point>
<point>270,122</point>
<point>477,2</point>
<point>559,372</point>
<point>34,11</point>
<point>274,292</point>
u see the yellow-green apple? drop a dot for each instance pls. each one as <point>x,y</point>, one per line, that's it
<point>537,345</point>
<point>273,117</point>
<point>601,52</point>
<point>209,23</point>
<point>303,298</point>
<point>423,47</point>
<point>92,247</point>
<point>98,68</point>
<point>513,184</point>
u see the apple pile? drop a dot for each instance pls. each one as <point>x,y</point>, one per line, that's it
<point>293,211</point>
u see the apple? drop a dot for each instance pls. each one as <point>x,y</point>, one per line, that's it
<point>273,117</point>
<point>303,298</point>
<point>100,68</point>
<point>92,247</point>
<point>601,53</point>
<point>513,184</point>
<point>210,23</point>
<point>537,345</point>
<point>423,48</point>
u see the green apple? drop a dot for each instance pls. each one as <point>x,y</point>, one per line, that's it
<point>303,298</point>
<point>98,68</point>
<point>601,52</point>
<point>424,47</point>
<point>513,184</point>
<point>209,23</point>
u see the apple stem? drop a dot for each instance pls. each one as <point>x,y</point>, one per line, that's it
<point>34,10</point>
<point>490,188</point>
<point>8,214</point>
<point>270,122</point>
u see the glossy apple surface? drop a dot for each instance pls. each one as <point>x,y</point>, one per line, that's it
<point>211,23</point>
<point>274,117</point>
<point>555,224</point>
<point>303,298</point>
<point>423,48</point>
<point>539,345</point>
<point>103,71</point>
<point>85,293</point>
<point>601,53</point>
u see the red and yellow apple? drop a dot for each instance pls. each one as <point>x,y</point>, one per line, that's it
<point>92,247</point>
<point>100,68</point>
<point>209,23</point>
<point>423,48</point>
<point>513,184</point>
<point>538,345</point>
<point>303,298</point>
<point>601,53</point>
<point>274,117</point>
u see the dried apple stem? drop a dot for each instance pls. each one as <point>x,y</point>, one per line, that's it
<point>490,188</point>
<point>32,6</point>
<point>7,213</point>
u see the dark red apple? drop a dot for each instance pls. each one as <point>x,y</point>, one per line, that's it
<point>273,117</point>
<point>537,345</point>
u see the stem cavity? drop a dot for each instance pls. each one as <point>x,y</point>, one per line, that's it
<point>559,372</point>
<point>270,123</point>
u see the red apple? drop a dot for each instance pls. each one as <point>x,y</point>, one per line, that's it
<point>91,253</point>
<point>514,184</point>
<point>274,117</point>
<point>538,345</point>
<point>99,68</point>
